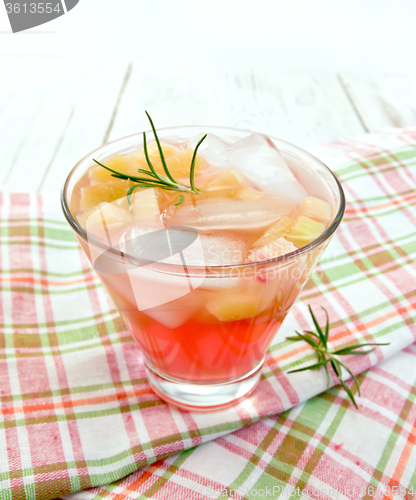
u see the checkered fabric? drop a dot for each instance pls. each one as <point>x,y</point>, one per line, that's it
<point>77,411</point>
<point>321,449</point>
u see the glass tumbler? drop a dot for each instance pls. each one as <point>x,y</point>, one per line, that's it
<point>193,359</point>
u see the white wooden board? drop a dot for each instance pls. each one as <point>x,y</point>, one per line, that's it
<point>57,111</point>
<point>54,110</point>
<point>383,100</point>
<point>300,106</point>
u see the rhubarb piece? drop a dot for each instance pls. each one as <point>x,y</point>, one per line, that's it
<point>279,228</point>
<point>109,191</point>
<point>235,306</point>
<point>127,165</point>
<point>104,214</point>
<point>271,250</point>
<point>304,230</point>
<point>316,209</point>
<point>178,161</point>
<point>144,205</point>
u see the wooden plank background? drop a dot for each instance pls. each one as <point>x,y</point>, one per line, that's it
<point>54,110</point>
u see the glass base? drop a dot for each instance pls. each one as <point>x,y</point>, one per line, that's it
<point>203,397</point>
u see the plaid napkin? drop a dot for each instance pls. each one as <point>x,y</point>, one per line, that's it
<point>322,449</point>
<point>76,409</point>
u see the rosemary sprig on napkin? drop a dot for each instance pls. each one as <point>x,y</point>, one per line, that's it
<point>319,342</point>
<point>154,179</point>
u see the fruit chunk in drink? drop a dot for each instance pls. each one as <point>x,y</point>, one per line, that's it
<point>213,320</point>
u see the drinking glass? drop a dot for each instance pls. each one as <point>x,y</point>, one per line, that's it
<point>193,359</point>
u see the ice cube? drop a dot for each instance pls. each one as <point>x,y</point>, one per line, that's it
<point>259,159</point>
<point>221,249</point>
<point>103,223</point>
<point>175,313</point>
<point>153,282</point>
<point>169,316</point>
<point>212,214</point>
<point>212,149</point>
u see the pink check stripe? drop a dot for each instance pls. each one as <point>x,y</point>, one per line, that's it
<point>77,412</point>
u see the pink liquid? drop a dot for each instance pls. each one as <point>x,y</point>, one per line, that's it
<point>185,340</point>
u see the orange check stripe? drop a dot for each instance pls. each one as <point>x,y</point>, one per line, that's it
<point>133,487</point>
<point>383,205</point>
<point>44,282</point>
<point>77,402</point>
<point>403,460</point>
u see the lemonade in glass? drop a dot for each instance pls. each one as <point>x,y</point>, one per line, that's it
<point>206,254</point>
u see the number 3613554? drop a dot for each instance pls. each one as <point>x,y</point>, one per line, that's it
<point>33,8</point>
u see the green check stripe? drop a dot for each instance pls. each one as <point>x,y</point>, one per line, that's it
<point>73,390</point>
<point>36,221</point>
<point>95,332</point>
<point>63,291</point>
<point>358,168</point>
<point>42,272</point>
<point>75,321</point>
<point>394,436</point>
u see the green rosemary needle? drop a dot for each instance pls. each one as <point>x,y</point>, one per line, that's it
<point>153,179</point>
<point>181,198</point>
<point>319,342</point>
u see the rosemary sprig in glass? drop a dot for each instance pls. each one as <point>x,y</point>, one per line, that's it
<point>154,179</point>
<point>319,342</point>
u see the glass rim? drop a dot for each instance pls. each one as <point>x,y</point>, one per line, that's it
<point>280,259</point>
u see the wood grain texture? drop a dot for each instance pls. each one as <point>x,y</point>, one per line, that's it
<point>53,110</point>
<point>305,106</point>
<point>23,120</point>
<point>93,104</point>
<point>383,100</point>
<point>55,113</point>
<point>300,106</point>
